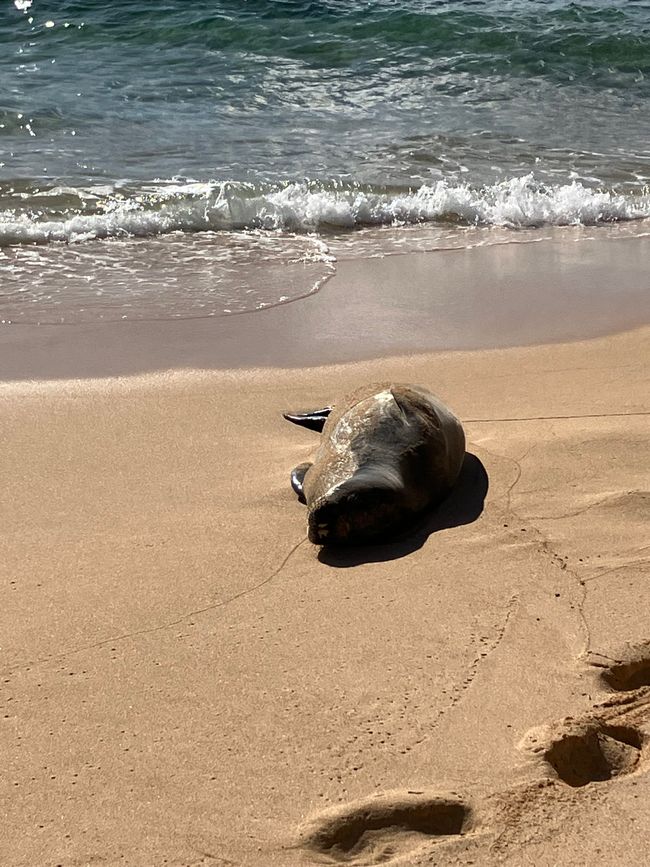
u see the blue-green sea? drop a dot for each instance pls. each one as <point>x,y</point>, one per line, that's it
<point>203,158</point>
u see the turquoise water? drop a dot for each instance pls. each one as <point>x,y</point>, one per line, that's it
<point>264,126</point>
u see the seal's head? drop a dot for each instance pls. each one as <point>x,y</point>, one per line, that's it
<point>357,511</point>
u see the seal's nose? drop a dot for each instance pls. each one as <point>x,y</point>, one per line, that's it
<point>327,526</point>
<point>318,533</point>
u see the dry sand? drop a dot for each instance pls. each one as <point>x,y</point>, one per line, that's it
<point>186,680</point>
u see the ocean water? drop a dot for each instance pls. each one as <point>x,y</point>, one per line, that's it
<point>215,157</point>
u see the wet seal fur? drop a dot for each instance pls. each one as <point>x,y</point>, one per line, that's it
<point>388,452</point>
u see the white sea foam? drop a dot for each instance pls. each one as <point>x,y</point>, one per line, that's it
<point>518,202</point>
<point>164,277</point>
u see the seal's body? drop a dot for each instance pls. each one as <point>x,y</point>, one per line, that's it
<point>387,452</point>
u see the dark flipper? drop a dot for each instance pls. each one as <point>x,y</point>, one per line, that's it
<point>297,478</point>
<point>314,420</point>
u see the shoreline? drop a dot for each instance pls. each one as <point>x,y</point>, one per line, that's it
<point>497,296</point>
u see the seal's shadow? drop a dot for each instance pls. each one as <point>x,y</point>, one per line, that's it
<point>463,506</point>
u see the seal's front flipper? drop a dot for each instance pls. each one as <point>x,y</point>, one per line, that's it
<point>314,420</point>
<point>297,478</point>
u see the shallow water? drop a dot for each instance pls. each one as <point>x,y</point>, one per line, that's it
<point>258,140</point>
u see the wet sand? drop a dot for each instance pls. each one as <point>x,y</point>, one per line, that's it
<point>187,680</point>
<point>506,295</point>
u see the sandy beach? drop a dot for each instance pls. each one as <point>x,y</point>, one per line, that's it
<point>187,680</point>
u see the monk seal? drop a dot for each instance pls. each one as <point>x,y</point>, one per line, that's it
<point>387,452</point>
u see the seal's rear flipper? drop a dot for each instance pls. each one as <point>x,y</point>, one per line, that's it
<point>314,420</point>
<point>297,478</point>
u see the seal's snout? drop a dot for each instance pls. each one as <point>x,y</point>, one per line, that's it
<point>352,517</point>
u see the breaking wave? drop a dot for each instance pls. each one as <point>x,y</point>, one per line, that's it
<point>72,215</point>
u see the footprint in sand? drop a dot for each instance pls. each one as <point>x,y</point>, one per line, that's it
<point>589,750</point>
<point>377,829</point>
<point>594,753</point>
<point>630,672</point>
<point>611,740</point>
